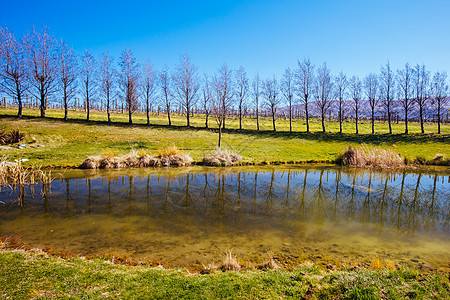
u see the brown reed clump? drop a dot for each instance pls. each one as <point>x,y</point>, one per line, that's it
<point>169,151</point>
<point>366,157</point>
<point>14,174</point>
<point>15,136</point>
<point>269,265</point>
<point>230,263</point>
<point>221,158</point>
<point>92,162</point>
<point>209,269</point>
<point>137,159</point>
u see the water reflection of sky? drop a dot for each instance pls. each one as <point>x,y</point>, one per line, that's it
<point>407,201</point>
<point>201,214</point>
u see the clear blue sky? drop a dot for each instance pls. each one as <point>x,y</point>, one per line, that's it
<point>266,36</point>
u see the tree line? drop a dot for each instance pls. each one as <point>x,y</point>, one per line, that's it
<point>46,68</point>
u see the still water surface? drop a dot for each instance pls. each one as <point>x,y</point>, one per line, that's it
<point>189,217</point>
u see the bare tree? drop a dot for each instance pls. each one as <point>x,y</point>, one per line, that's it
<point>287,89</point>
<point>439,88</point>
<point>256,87</point>
<point>128,81</point>
<point>387,88</point>
<point>272,99</point>
<point>13,81</point>
<point>421,82</point>
<point>305,82</point>
<point>206,98</point>
<point>341,84</point>
<point>221,97</point>
<point>148,86</point>
<point>67,73</point>
<point>405,77</point>
<point>165,86</point>
<point>371,88</point>
<point>322,92</point>
<point>186,84</point>
<point>88,71</point>
<point>40,47</point>
<point>356,90</point>
<point>242,91</point>
<point>107,80</point>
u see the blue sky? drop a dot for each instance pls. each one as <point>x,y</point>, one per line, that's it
<point>356,37</point>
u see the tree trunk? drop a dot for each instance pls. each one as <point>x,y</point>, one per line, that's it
<point>439,116</point>
<point>273,121</point>
<point>290,117</point>
<point>107,109</point>
<point>356,123</point>
<point>340,116</point>
<point>406,120</point>
<point>307,117</point>
<point>206,121</point>
<point>421,118</point>
<point>187,116</point>
<point>220,134</point>
<point>19,103</point>
<point>240,117</point>
<point>87,108</point>
<point>389,119</point>
<point>65,107</point>
<point>148,113</point>
<point>323,122</point>
<point>373,120</point>
<point>257,119</point>
<point>42,104</point>
<point>130,120</point>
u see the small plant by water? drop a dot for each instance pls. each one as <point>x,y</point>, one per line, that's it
<point>230,262</point>
<point>15,136</point>
<point>365,157</point>
<point>171,156</point>
<point>221,158</point>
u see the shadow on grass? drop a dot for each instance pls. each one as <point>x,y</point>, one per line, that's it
<point>374,139</point>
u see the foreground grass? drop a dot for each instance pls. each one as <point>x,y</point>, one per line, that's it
<point>69,143</point>
<point>35,275</point>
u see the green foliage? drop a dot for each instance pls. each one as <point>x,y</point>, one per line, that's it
<point>28,275</point>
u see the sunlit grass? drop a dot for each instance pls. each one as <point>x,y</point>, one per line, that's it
<point>69,143</point>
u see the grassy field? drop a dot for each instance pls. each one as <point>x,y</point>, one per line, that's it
<point>68,143</point>
<point>29,275</point>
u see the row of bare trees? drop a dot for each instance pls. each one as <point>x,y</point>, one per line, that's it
<point>39,65</point>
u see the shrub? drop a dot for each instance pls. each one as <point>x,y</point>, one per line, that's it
<point>230,263</point>
<point>15,136</point>
<point>221,158</point>
<point>136,159</point>
<point>363,156</point>
<point>169,151</point>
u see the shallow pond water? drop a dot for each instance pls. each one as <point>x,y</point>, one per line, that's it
<point>189,217</point>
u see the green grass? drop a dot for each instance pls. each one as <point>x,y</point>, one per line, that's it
<point>69,143</point>
<point>28,275</point>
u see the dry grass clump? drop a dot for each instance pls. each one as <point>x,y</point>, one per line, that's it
<point>15,136</point>
<point>366,157</point>
<point>221,158</point>
<point>230,263</point>
<point>169,151</point>
<point>269,265</point>
<point>209,269</point>
<point>139,158</point>
<point>14,174</point>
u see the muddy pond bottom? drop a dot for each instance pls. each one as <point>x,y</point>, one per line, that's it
<point>190,217</point>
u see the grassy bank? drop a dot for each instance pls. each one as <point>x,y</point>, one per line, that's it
<point>69,143</point>
<point>36,275</point>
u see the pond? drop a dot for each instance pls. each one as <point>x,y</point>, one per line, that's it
<point>189,217</point>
